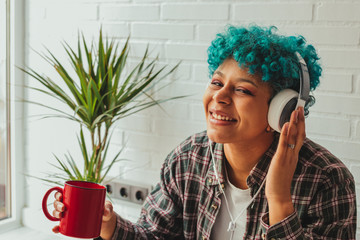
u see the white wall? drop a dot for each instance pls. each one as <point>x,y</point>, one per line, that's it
<point>182,30</point>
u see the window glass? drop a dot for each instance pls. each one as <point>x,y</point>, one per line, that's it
<point>4,202</point>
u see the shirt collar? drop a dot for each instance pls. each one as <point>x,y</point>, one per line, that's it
<point>258,173</point>
<point>218,150</point>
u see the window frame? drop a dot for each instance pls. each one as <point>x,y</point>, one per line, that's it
<point>15,58</point>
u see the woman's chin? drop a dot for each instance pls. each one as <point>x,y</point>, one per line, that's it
<point>216,137</point>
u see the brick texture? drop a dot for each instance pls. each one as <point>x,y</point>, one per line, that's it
<point>185,11</point>
<point>339,12</point>
<point>272,11</point>
<point>163,31</point>
<point>340,58</point>
<point>129,12</point>
<point>336,82</point>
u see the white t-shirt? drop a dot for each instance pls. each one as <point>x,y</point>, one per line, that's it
<point>238,199</point>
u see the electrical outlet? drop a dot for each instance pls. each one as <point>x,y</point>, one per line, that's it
<point>127,190</point>
<point>110,188</point>
<point>138,194</point>
<point>122,191</point>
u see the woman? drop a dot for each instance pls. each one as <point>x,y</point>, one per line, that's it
<point>240,179</point>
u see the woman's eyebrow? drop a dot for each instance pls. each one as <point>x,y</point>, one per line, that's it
<point>238,79</point>
<point>218,73</point>
<point>247,80</point>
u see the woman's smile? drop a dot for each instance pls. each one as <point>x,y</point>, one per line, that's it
<point>220,118</point>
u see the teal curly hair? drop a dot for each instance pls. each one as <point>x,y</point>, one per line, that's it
<point>262,50</point>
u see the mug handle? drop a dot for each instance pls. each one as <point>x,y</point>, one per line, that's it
<point>44,203</point>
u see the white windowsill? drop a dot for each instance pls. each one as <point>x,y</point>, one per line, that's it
<point>29,234</point>
<point>37,227</point>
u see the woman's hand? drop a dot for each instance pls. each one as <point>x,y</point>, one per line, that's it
<point>282,167</point>
<point>59,208</point>
<point>108,222</point>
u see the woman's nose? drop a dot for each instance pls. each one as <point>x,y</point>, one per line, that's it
<point>222,96</point>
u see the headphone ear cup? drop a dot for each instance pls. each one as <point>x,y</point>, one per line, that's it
<point>281,107</point>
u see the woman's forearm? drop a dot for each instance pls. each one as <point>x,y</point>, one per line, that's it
<point>279,210</point>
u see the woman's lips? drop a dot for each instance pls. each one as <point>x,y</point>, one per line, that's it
<point>220,118</point>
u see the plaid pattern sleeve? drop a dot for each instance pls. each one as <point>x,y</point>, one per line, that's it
<point>186,201</point>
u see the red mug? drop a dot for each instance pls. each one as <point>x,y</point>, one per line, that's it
<point>84,208</point>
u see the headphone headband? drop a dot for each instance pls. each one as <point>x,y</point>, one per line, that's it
<point>304,78</point>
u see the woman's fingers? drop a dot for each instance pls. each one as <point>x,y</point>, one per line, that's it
<point>296,132</point>
<point>283,138</point>
<point>292,132</point>
<point>58,196</point>
<point>301,129</point>
<point>55,229</point>
<point>108,211</point>
<point>59,207</point>
<point>57,214</point>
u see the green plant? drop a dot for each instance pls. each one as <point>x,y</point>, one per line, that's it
<point>98,95</point>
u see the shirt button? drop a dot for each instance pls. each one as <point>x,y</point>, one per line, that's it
<point>214,206</point>
<point>210,180</point>
<point>222,186</point>
<point>263,236</point>
<point>204,238</point>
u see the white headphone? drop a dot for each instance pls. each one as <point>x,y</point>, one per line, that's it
<point>287,100</point>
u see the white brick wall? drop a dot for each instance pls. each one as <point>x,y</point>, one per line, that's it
<point>272,11</point>
<point>336,82</point>
<point>190,11</point>
<point>340,58</point>
<point>339,11</point>
<point>186,51</point>
<point>163,31</point>
<point>182,30</point>
<point>332,35</point>
<point>129,13</point>
<point>345,105</point>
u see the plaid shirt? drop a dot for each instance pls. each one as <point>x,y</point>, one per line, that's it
<point>185,203</point>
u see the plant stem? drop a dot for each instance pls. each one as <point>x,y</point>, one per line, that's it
<point>98,151</point>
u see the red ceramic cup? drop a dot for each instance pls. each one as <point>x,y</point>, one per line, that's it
<point>84,208</point>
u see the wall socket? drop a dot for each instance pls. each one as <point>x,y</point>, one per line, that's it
<point>127,190</point>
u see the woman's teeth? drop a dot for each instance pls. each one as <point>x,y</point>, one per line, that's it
<point>219,117</point>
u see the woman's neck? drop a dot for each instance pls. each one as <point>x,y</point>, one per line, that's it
<point>242,157</point>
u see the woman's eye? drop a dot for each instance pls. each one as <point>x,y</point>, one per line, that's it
<point>216,83</point>
<point>245,91</point>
